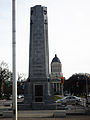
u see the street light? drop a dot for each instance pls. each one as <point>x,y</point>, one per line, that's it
<point>86,86</point>
<point>62,82</point>
<point>14,92</point>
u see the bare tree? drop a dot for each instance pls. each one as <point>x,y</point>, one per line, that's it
<point>5,75</point>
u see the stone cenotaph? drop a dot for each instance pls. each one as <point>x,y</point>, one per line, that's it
<point>38,88</point>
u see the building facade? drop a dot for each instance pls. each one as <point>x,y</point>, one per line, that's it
<point>56,72</point>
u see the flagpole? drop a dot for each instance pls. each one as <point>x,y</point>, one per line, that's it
<point>14,91</point>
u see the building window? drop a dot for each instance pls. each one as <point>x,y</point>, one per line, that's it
<point>45,12</point>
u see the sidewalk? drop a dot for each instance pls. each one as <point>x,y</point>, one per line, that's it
<point>45,114</point>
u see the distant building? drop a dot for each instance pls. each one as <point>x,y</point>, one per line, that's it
<point>56,71</point>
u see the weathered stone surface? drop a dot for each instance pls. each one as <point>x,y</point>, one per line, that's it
<point>38,57</point>
<point>38,88</point>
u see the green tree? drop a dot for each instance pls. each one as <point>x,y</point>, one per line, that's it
<point>76,84</point>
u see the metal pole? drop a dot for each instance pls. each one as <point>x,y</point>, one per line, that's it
<point>62,89</point>
<point>14,60</point>
<point>86,87</point>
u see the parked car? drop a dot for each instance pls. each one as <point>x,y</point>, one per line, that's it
<point>20,96</point>
<point>88,101</point>
<point>69,100</point>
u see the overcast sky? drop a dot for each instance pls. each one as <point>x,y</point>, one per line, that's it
<point>68,33</point>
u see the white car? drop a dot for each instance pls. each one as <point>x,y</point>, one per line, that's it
<point>20,96</point>
<point>69,100</point>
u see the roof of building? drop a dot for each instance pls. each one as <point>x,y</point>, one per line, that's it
<point>56,59</point>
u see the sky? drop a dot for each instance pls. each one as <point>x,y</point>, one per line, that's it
<point>68,33</point>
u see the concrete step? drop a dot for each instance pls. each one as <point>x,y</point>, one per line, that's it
<point>60,113</point>
<point>76,112</point>
<point>7,114</point>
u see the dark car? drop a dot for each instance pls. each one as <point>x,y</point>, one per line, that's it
<point>88,101</point>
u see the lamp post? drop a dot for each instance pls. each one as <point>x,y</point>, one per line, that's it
<point>62,82</point>
<point>86,86</point>
<point>14,91</point>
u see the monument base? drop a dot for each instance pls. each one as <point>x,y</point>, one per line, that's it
<point>37,106</point>
<point>38,95</point>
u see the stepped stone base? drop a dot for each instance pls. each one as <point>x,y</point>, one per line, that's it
<point>7,114</point>
<point>36,106</point>
<point>58,114</point>
<point>38,95</point>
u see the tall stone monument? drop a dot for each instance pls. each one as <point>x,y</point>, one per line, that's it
<point>38,89</point>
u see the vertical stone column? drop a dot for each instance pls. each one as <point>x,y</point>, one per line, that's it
<point>38,93</point>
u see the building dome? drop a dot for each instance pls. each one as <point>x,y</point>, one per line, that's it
<point>56,59</point>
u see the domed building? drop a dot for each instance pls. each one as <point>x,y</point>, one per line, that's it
<point>56,72</point>
<point>56,65</point>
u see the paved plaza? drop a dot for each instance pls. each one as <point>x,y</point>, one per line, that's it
<point>82,117</point>
<point>72,113</point>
